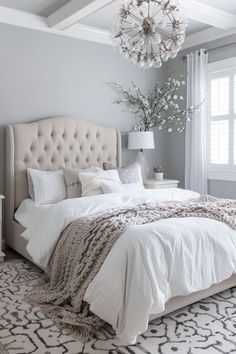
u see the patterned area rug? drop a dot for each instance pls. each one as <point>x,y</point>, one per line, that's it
<point>208,326</point>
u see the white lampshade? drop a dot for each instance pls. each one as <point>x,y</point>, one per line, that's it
<point>140,140</point>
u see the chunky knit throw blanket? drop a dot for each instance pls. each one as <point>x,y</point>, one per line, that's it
<point>84,245</point>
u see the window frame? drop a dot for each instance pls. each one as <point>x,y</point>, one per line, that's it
<point>225,172</point>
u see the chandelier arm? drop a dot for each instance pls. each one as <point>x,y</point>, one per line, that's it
<point>133,37</point>
<point>129,29</point>
<point>164,33</point>
<point>155,7</point>
<point>135,17</point>
<point>157,11</point>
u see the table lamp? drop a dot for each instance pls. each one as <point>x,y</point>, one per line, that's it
<point>141,141</point>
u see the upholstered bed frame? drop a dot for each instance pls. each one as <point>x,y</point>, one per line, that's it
<point>51,144</point>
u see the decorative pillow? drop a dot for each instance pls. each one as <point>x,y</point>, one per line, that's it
<point>91,181</point>
<point>73,185</point>
<point>111,187</point>
<point>128,174</point>
<point>47,186</point>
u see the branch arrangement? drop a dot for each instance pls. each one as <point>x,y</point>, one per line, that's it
<point>161,107</point>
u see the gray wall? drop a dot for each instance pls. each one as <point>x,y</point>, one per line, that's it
<point>175,154</point>
<point>44,75</point>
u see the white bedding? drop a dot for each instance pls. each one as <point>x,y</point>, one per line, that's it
<point>148,264</point>
<point>29,212</point>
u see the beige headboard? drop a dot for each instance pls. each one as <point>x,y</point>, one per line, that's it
<point>50,144</point>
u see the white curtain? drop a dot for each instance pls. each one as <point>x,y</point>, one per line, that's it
<point>195,139</point>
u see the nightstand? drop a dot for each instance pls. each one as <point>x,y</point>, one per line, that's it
<point>2,255</point>
<point>166,183</point>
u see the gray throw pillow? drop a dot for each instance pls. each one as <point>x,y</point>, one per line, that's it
<point>128,174</point>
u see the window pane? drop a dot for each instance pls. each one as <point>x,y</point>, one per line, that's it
<point>219,142</point>
<point>220,96</point>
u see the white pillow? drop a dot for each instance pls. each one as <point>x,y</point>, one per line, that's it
<point>73,184</point>
<point>48,186</point>
<point>111,187</point>
<point>91,181</point>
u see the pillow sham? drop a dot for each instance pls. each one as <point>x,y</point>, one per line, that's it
<point>73,184</point>
<point>128,174</point>
<point>47,186</point>
<point>91,181</point>
<point>110,187</point>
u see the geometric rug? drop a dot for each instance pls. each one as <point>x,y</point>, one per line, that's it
<point>208,326</point>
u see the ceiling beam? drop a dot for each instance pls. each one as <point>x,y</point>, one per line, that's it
<point>24,19</point>
<point>205,36</point>
<point>207,14</point>
<point>74,11</point>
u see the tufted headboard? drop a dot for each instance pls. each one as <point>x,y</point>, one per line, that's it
<point>52,143</point>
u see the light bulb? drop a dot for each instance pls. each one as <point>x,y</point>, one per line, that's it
<point>165,56</point>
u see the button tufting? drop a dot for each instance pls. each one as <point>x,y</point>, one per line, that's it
<point>71,147</point>
<point>77,159</point>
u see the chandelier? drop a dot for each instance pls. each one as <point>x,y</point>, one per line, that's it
<point>148,32</point>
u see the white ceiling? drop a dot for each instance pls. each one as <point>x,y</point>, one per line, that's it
<point>100,22</point>
<point>38,7</point>
<point>225,5</point>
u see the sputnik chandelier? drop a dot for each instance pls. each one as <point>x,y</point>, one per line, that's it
<point>148,32</point>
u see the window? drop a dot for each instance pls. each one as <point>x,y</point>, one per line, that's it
<point>222,120</point>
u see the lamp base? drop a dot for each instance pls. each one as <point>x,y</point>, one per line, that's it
<point>144,165</point>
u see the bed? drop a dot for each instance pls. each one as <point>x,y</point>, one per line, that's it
<point>52,143</point>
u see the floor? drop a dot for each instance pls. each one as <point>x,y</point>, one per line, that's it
<point>208,326</point>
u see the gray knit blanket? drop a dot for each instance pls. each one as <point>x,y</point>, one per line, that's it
<point>86,242</point>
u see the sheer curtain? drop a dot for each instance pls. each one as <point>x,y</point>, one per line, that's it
<point>195,138</point>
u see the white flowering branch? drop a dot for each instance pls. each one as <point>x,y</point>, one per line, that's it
<point>161,107</point>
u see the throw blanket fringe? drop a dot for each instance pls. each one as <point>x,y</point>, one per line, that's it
<point>83,247</point>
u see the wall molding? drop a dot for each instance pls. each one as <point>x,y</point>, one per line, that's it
<point>206,36</point>
<point>209,15</point>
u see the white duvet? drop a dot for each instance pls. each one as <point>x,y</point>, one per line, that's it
<point>148,264</point>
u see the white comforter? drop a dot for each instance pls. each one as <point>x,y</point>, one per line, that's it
<point>148,264</point>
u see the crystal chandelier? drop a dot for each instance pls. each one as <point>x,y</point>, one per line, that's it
<point>148,32</point>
